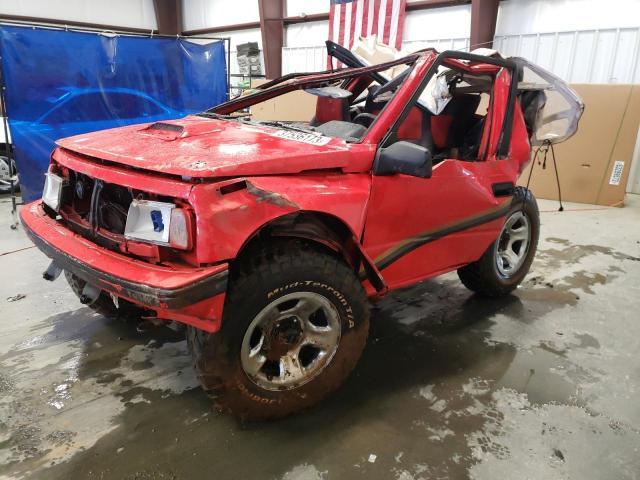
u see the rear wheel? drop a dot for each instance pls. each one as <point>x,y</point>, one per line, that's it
<point>295,325</point>
<point>506,262</point>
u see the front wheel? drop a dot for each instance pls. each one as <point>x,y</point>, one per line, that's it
<point>506,262</point>
<point>295,324</point>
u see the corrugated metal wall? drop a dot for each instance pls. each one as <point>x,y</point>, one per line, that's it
<point>586,56</point>
<point>310,59</point>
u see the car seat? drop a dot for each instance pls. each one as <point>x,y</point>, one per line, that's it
<point>328,109</point>
<point>532,101</point>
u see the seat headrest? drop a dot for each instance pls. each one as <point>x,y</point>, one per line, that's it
<point>531,103</point>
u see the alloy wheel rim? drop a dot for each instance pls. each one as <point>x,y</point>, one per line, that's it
<point>290,341</point>
<point>512,244</point>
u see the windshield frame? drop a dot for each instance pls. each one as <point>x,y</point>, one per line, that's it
<point>300,81</point>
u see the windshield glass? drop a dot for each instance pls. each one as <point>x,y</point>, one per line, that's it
<point>341,104</point>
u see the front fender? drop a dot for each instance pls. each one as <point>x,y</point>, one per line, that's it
<point>230,212</point>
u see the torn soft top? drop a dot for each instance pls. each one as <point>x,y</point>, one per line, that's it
<point>558,106</point>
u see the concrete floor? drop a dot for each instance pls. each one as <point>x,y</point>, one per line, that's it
<point>542,384</point>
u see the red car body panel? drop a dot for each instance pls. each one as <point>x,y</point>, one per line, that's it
<point>403,207</point>
<point>234,218</point>
<point>237,178</point>
<point>118,271</point>
<point>206,148</point>
<point>227,217</point>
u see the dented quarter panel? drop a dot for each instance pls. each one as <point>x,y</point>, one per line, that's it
<point>226,221</point>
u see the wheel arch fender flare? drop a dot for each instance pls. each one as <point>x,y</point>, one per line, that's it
<point>325,230</point>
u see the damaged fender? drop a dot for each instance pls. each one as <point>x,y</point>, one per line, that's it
<point>237,209</point>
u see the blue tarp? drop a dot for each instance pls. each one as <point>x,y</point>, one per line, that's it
<point>61,83</point>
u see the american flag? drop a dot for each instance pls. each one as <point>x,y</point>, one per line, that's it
<point>350,19</point>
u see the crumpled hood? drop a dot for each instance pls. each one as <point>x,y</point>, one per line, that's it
<point>201,147</point>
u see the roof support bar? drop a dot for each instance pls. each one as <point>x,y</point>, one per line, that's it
<point>168,16</point>
<point>483,22</point>
<point>272,29</point>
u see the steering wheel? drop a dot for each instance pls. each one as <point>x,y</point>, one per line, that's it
<point>364,119</point>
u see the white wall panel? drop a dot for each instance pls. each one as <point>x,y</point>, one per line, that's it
<point>591,56</point>
<point>314,58</point>
<point>308,34</point>
<point>121,13</point>
<point>198,14</point>
<point>443,22</point>
<point>517,17</point>
<point>304,59</point>
<point>439,44</point>
<point>296,8</point>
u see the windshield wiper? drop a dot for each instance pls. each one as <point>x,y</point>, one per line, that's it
<point>219,116</point>
<point>288,126</point>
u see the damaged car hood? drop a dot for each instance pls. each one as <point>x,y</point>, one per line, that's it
<point>200,147</point>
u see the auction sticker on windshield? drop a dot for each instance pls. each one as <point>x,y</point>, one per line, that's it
<point>310,138</point>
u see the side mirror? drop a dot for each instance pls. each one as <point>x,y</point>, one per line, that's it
<point>403,157</point>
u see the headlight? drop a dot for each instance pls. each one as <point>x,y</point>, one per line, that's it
<point>180,229</point>
<point>52,190</point>
<point>159,222</point>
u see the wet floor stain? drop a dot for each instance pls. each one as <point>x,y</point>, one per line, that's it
<point>533,385</point>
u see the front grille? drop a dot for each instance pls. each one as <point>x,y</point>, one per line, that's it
<point>98,210</point>
<point>113,207</point>
<point>102,205</point>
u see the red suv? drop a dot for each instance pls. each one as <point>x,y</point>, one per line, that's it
<point>267,238</point>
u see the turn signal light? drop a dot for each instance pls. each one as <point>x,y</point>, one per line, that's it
<point>181,229</point>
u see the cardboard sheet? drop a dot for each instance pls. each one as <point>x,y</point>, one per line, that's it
<point>594,164</point>
<point>296,106</point>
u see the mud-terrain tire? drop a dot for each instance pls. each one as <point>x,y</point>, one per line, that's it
<point>283,276</point>
<point>103,304</point>
<point>489,276</point>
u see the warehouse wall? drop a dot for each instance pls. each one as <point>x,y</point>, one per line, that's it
<point>585,41</point>
<point>124,13</point>
<point>198,14</point>
<point>295,8</point>
<point>446,27</point>
<point>536,16</point>
<point>601,44</point>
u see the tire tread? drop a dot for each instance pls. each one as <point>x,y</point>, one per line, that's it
<point>480,276</point>
<point>250,271</point>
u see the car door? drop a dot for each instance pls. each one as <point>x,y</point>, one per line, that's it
<point>420,227</point>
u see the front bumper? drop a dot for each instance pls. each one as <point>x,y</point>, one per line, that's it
<point>153,286</point>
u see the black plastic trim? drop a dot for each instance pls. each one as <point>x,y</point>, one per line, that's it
<point>150,296</point>
<point>503,189</point>
<point>418,241</point>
